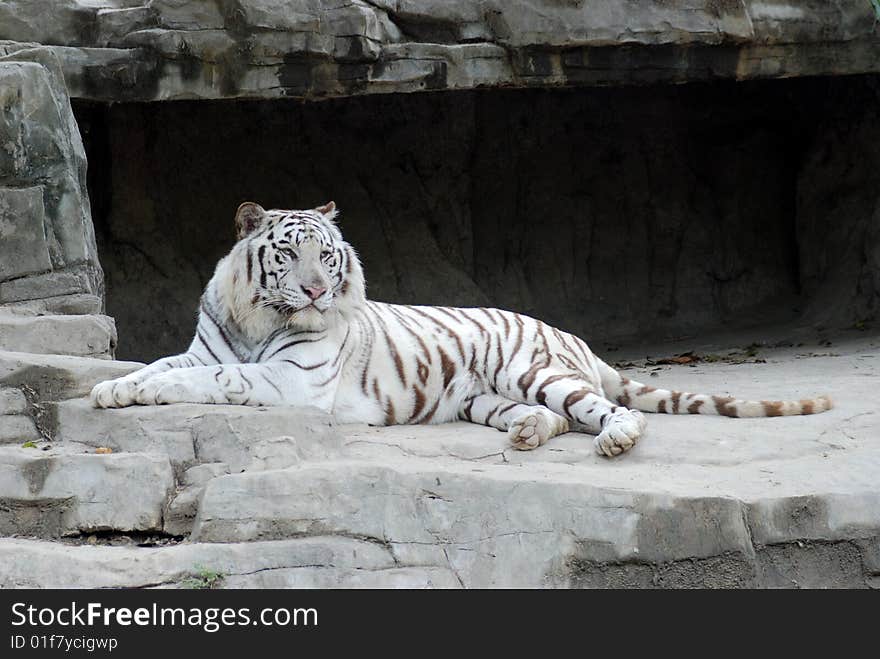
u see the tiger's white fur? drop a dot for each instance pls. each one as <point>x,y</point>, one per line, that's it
<point>285,321</point>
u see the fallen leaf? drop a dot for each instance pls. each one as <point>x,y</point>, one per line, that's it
<point>683,358</point>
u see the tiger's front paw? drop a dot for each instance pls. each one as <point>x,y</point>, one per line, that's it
<point>621,433</point>
<point>121,392</point>
<point>169,388</point>
<point>535,427</point>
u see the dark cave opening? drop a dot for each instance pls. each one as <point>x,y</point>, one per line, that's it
<point>609,212</point>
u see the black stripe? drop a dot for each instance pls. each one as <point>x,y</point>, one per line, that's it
<point>293,343</point>
<point>272,384</point>
<point>331,378</point>
<point>207,347</point>
<point>487,314</point>
<point>405,323</point>
<point>260,253</point>
<point>492,413</point>
<point>467,410</point>
<point>507,409</point>
<point>222,333</point>
<point>342,347</point>
<point>449,331</point>
<point>268,343</point>
<point>305,368</point>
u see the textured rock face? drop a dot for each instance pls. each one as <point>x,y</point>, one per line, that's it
<point>47,243</point>
<point>302,563</point>
<point>53,493</point>
<point>838,209</point>
<point>81,335</point>
<point>164,49</point>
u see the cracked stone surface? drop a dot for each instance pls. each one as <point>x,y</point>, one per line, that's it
<point>116,50</point>
<point>284,498</point>
<point>301,563</point>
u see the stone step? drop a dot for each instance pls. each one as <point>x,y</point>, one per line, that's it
<point>316,562</point>
<point>16,425</point>
<point>493,524</point>
<point>60,490</point>
<point>81,335</point>
<point>551,525</point>
<point>18,429</point>
<point>200,441</point>
<point>73,304</point>
<point>58,377</point>
<point>237,436</point>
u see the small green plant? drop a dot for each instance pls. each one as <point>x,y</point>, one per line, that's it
<point>29,444</point>
<point>203,579</point>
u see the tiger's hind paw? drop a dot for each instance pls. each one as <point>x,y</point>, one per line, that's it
<point>534,428</point>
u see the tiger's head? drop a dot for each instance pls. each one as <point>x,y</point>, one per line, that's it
<point>290,267</point>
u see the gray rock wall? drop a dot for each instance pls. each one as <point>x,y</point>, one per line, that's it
<point>651,212</point>
<point>838,209</point>
<point>175,49</point>
<point>47,243</point>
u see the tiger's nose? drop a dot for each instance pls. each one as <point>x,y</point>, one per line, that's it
<point>313,292</point>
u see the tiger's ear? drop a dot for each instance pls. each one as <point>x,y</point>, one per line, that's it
<point>248,218</point>
<point>328,210</point>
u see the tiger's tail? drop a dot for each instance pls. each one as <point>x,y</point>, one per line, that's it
<point>645,398</point>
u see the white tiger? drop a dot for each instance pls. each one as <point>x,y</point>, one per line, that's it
<point>285,321</point>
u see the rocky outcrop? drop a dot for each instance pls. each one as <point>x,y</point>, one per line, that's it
<point>48,258</point>
<point>171,49</point>
<point>211,496</point>
<point>51,283</point>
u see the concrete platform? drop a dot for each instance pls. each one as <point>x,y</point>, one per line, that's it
<point>701,501</point>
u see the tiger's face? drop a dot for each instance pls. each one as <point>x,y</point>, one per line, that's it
<point>296,263</point>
